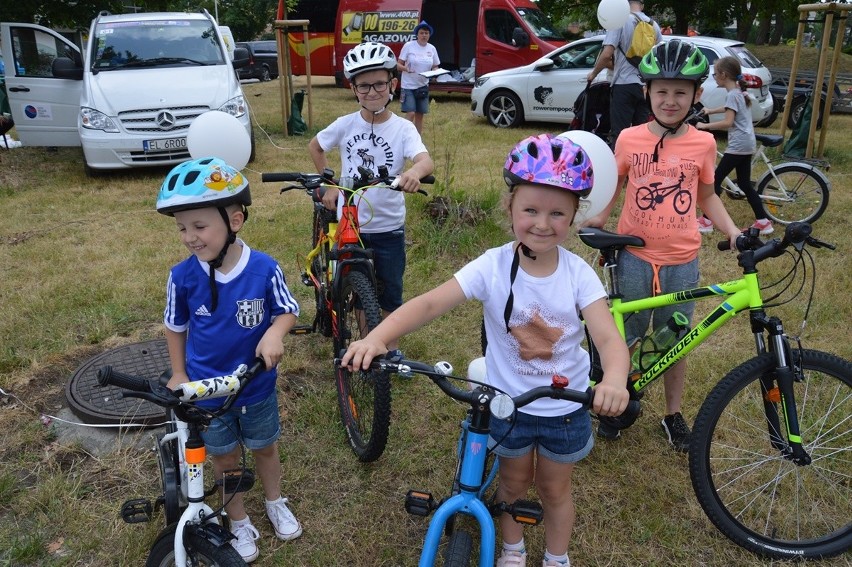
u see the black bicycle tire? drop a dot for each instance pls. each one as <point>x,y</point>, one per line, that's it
<point>319,265</point>
<point>169,465</point>
<point>813,214</point>
<point>163,552</point>
<point>459,549</point>
<point>364,398</point>
<point>718,441</point>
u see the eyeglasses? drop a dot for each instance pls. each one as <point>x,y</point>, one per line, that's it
<point>380,87</point>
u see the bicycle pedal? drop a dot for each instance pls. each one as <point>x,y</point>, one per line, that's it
<point>236,480</point>
<point>526,512</point>
<point>301,330</point>
<point>418,503</point>
<point>137,511</point>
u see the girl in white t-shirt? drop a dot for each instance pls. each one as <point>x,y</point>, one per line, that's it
<point>533,292</point>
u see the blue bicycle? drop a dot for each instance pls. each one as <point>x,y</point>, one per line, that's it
<point>476,468</point>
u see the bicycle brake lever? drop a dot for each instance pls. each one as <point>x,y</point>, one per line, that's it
<point>161,396</point>
<point>817,243</point>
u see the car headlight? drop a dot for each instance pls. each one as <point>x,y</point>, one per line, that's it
<point>480,81</point>
<point>235,107</point>
<point>97,120</point>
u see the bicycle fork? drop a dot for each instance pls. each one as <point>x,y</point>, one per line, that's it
<point>778,388</point>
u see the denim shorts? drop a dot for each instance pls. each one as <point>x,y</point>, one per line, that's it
<point>258,425</point>
<point>635,279</point>
<point>389,261</point>
<point>415,100</point>
<point>562,439</point>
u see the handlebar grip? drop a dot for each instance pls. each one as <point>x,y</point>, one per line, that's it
<point>430,179</point>
<point>277,177</point>
<point>724,245</point>
<point>109,377</point>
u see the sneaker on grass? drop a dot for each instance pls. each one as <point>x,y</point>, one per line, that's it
<point>764,226</point>
<point>246,535</point>
<point>677,431</point>
<point>705,225</point>
<point>283,521</point>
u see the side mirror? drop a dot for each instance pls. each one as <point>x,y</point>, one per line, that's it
<point>241,57</point>
<point>520,38</point>
<point>65,68</point>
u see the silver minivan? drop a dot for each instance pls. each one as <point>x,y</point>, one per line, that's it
<point>131,95</point>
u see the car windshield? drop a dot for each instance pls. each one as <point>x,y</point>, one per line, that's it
<point>152,43</point>
<point>579,56</point>
<point>539,24</point>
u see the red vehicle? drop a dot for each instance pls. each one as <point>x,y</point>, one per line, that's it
<point>473,37</point>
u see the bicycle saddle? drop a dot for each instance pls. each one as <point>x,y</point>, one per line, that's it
<point>769,140</point>
<point>601,239</point>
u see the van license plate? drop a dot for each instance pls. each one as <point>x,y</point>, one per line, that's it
<point>164,145</point>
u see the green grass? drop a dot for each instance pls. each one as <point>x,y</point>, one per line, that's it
<point>84,263</point>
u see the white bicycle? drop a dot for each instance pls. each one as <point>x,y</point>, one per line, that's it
<point>194,534</point>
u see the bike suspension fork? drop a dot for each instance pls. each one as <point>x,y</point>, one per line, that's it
<point>777,389</point>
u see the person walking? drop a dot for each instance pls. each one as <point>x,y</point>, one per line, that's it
<point>627,105</point>
<point>417,56</point>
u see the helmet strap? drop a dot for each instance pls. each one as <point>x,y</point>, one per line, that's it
<point>217,262</point>
<point>513,273</point>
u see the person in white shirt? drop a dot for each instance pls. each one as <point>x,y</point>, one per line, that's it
<point>417,56</point>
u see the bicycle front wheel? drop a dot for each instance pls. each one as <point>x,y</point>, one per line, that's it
<point>459,549</point>
<point>750,489</point>
<point>794,193</point>
<point>364,397</point>
<point>199,551</point>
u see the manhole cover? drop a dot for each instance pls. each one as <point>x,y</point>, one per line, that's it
<point>95,404</point>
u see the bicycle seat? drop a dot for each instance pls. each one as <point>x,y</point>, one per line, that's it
<point>769,140</point>
<point>601,239</point>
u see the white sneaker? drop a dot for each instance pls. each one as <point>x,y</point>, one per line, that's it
<point>512,559</point>
<point>246,535</point>
<point>286,525</point>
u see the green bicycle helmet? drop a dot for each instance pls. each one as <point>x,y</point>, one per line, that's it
<point>675,59</point>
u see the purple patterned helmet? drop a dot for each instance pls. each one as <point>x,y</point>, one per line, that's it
<point>549,160</point>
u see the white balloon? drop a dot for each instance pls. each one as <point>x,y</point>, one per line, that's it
<point>612,14</point>
<point>604,173</point>
<point>219,134</point>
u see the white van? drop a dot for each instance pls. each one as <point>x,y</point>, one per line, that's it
<point>130,98</point>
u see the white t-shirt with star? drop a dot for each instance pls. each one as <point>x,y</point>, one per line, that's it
<point>546,328</point>
<point>362,144</point>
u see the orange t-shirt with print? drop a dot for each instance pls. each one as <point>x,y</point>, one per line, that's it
<point>661,197</point>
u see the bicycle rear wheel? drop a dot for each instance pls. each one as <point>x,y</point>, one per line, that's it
<point>750,490</point>
<point>364,397</point>
<point>795,193</point>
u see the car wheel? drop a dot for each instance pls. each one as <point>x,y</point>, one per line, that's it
<point>504,110</point>
<point>799,107</point>
<point>264,74</point>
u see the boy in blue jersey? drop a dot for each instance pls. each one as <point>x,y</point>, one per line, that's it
<point>225,305</point>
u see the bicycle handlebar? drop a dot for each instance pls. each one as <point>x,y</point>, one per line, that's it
<point>439,375</point>
<point>188,392</point>
<point>314,183</point>
<point>796,234</point>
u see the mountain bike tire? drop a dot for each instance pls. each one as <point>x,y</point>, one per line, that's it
<point>804,197</point>
<point>200,551</point>
<point>758,498</point>
<point>364,397</point>
<point>459,549</point>
<point>319,265</point>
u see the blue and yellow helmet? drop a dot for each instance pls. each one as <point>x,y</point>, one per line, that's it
<point>201,183</point>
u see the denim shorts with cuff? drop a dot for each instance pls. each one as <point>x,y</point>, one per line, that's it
<point>258,425</point>
<point>562,439</point>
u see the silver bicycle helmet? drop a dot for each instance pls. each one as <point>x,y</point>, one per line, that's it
<point>368,57</point>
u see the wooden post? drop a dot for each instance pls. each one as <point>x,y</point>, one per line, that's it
<point>306,41</point>
<point>830,9</point>
<point>285,66</point>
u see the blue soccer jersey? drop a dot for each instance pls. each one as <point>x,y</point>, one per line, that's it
<point>250,296</point>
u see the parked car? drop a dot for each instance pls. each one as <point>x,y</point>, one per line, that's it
<point>263,60</point>
<point>546,89</point>
<point>801,90</point>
